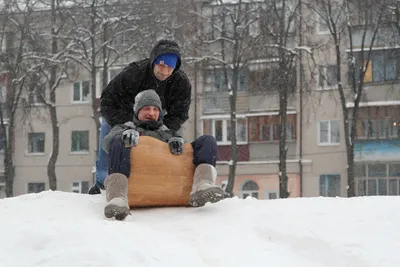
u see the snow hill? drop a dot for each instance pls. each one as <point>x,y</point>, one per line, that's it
<point>67,229</point>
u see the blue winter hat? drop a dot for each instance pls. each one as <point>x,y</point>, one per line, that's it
<point>167,59</point>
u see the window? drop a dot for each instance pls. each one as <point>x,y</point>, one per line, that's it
<point>81,187</point>
<point>364,36</point>
<point>329,133</point>
<point>328,77</point>
<point>216,103</point>
<point>376,170</point>
<point>207,12</point>
<point>368,128</point>
<point>377,179</point>
<point>220,129</point>
<point>36,187</point>
<point>36,90</point>
<point>254,28</point>
<point>329,185</point>
<point>323,26</point>
<point>81,92</point>
<point>37,95</point>
<point>122,38</point>
<point>80,141</point>
<point>323,16</point>
<point>262,78</point>
<point>265,128</point>
<point>377,128</point>
<point>241,130</point>
<point>250,188</point>
<point>290,131</point>
<point>393,128</point>
<point>394,170</point>
<point>272,13</point>
<point>214,80</point>
<point>384,65</point>
<point>36,143</point>
<point>272,195</point>
<point>254,19</point>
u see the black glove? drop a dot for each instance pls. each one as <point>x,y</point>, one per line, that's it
<point>176,145</point>
<point>130,137</point>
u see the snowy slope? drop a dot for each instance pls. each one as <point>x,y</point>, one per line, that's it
<point>60,229</point>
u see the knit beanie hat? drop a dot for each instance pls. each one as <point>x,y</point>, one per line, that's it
<point>146,98</point>
<point>167,59</point>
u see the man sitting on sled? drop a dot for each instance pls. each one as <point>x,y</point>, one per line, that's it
<point>146,122</point>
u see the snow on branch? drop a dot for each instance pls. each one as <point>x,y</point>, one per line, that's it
<point>199,59</point>
<point>219,39</point>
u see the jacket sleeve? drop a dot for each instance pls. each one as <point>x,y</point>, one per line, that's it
<point>178,106</point>
<point>115,131</point>
<point>115,99</point>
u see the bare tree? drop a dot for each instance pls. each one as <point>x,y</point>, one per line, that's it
<point>231,33</point>
<point>242,33</point>
<point>351,23</point>
<point>280,27</point>
<point>48,53</point>
<point>15,19</point>
<point>102,35</point>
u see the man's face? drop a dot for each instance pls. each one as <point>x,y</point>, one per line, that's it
<point>149,113</point>
<point>162,72</point>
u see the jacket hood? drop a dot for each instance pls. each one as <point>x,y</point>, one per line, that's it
<point>165,47</point>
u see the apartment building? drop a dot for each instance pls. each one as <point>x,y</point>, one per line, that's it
<point>316,159</point>
<point>316,151</point>
<point>33,139</point>
<point>257,105</point>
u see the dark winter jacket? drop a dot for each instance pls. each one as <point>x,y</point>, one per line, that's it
<point>118,97</point>
<point>154,129</point>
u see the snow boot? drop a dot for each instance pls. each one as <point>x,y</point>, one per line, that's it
<point>116,185</point>
<point>94,190</point>
<point>204,189</point>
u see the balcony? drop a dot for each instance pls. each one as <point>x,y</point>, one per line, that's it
<point>219,102</point>
<point>377,150</point>
<point>381,76</point>
<point>378,122</point>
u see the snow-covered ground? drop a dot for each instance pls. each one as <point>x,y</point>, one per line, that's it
<point>57,229</point>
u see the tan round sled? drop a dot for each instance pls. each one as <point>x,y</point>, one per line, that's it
<point>158,178</point>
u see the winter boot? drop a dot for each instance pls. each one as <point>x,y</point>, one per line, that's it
<point>204,189</point>
<point>116,185</point>
<point>94,190</point>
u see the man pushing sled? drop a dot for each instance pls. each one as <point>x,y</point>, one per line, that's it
<point>146,122</point>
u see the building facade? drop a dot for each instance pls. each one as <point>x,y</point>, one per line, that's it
<point>316,149</point>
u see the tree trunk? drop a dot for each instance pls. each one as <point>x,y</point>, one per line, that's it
<point>283,178</point>
<point>283,98</point>
<point>232,134</point>
<point>232,89</point>
<point>95,105</point>
<point>51,166</point>
<point>9,169</point>
<point>285,67</point>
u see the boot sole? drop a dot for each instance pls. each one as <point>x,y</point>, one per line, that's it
<point>212,195</point>
<point>118,212</point>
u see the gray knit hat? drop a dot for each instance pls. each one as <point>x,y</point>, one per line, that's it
<point>146,98</point>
